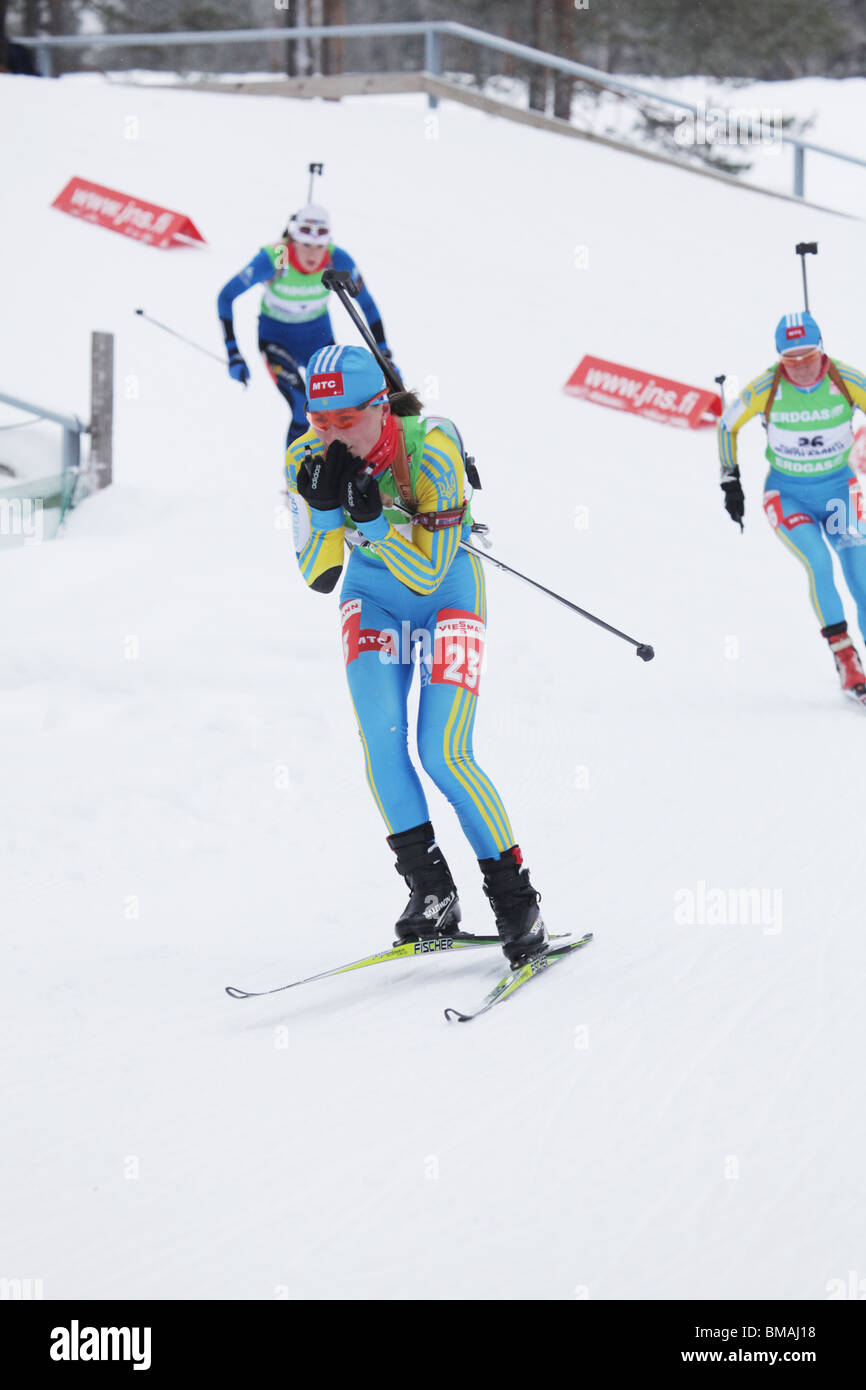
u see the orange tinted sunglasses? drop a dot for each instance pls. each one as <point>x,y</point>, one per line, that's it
<point>342,419</point>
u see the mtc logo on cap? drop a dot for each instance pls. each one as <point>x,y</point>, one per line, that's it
<point>325,385</point>
<point>797,330</point>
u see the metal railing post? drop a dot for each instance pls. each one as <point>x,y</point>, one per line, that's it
<point>433,61</point>
<point>101,406</point>
<point>799,172</point>
<point>71,453</point>
<point>72,430</point>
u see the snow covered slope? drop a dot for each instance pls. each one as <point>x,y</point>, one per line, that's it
<point>677,1111</point>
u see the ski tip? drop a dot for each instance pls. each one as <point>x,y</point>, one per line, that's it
<point>234,993</point>
<point>455,1013</point>
<point>557,952</point>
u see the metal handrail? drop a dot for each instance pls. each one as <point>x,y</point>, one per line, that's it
<point>432,31</point>
<point>73,428</point>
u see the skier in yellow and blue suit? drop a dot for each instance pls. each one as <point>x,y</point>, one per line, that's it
<point>392,486</point>
<point>812,498</point>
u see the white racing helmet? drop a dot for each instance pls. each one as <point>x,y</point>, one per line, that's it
<point>310,225</point>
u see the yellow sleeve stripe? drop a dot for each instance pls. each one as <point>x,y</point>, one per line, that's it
<point>435,477</point>
<point>856,381</point>
<point>406,561</point>
<point>726,450</point>
<point>738,413</point>
<point>480,590</point>
<point>438,458</point>
<point>310,553</point>
<point>448,452</point>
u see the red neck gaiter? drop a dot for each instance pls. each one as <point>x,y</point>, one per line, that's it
<point>296,264</point>
<point>384,451</point>
<point>805,374</point>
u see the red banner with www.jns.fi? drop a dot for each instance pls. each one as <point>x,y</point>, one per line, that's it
<point>132,217</point>
<point>656,397</point>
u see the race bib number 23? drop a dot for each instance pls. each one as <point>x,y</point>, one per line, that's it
<point>458,649</point>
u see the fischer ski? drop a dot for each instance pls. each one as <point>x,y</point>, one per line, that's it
<point>516,978</point>
<point>405,950</point>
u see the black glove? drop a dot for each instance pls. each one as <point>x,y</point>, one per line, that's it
<point>361,498</point>
<point>319,480</point>
<point>735,502</point>
<point>237,366</point>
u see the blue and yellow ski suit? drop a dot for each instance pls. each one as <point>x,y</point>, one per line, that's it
<point>410,596</point>
<point>812,497</point>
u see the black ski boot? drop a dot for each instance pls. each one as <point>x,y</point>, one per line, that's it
<point>515,903</point>
<point>433,908</point>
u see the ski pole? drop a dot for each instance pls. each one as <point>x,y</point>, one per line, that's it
<point>341,282</point>
<point>198,347</point>
<point>720,382</point>
<point>644,650</point>
<point>804,249</point>
<point>314,169</point>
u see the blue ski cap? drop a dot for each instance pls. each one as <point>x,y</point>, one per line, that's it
<point>341,377</point>
<point>797,331</point>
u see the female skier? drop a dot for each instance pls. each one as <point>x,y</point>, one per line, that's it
<point>367,461</point>
<point>293,319</point>
<point>811,495</point>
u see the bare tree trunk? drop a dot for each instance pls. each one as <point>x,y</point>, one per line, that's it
<point>326,45</point>
<point>334,55</point>
<point>565,22</point>
<point>537,75</point>
<point>291,49</point>
<point>64,59</point>
<point>509,66</point>
<point>4,55</point>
